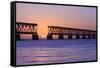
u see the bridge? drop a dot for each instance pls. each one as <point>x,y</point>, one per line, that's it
<point>26,28</point>
<point>61,31</point>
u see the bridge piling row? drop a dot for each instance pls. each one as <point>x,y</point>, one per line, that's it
<point>50,37</point>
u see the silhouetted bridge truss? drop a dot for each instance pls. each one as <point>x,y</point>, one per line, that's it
<point>31,28</point>
<point>26,28</point>
<point>61,31</point>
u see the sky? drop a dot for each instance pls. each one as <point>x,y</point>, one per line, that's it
<point>55,15</point>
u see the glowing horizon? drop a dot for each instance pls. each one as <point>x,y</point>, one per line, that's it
<point>55,15</point>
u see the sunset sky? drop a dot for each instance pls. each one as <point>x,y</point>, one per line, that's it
<point>55,15</point>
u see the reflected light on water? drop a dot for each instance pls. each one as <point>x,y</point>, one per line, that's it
<point>35,54</point>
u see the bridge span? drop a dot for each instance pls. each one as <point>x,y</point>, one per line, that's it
<point>26,28</point>
<point>61,31</point>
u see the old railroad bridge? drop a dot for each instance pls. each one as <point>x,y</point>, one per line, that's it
<point>30,28</point>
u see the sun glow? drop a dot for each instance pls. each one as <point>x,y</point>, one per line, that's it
<point>43,36</point>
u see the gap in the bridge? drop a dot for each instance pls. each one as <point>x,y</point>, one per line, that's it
<point>42,31</point>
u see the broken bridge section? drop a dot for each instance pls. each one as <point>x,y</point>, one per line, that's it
<point>26,28</point>
<point>61,31</point>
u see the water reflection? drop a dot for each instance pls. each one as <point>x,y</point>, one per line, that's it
<point>45,55</point>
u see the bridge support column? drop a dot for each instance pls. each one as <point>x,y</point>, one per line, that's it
<point>93,36</point>
<point>69,36</point>
<point>49,37</point>
<point>83,36</point>
<point>77,37</point>
<point>89,36</point>
<point>18,37</point>
<point>61,36</point>
<point>35,37</point>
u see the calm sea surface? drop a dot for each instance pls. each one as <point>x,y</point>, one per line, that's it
<point>55,51</point>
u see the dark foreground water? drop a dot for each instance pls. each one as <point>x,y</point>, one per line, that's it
<point>55,51</point>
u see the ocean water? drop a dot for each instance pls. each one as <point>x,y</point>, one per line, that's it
<point>55,51</point>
